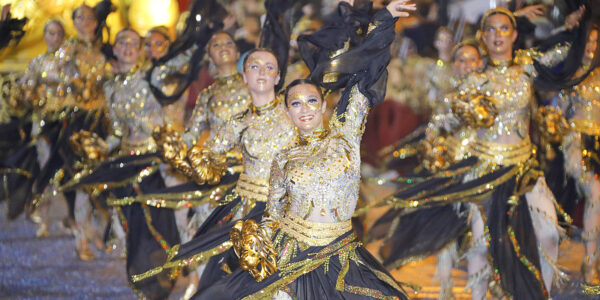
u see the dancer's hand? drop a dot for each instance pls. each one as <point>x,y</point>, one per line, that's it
<point>572,20</point>
<point>531,12</point>
<point>399,8</point>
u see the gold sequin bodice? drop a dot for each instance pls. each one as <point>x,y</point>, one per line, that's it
<point>259,134</point>
<point>45,86</point>
<point>321,176</point>
<point>226,98</point>
<point>132,109</point>
<point>585,98</point>
<point>83,66</point>
<point>511,87</point>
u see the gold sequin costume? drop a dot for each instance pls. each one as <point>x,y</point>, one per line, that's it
<point>133,112</point>
<point>498,170</point>
<point>581,146</point>
<point>313,193</point>
<point>259,134</point>
<point>226,98</point>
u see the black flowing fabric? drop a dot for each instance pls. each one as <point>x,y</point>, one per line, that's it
<point>151,231</point>
<point>319,283</point>
<point>424,232</point>
<point>216,235</point>
<point>147,249</point>
<point>11,30</point>
<point>204,19</point>
<point>21,165</point>
<point>22,169</point>
<point>562,75</point>
<point>277,29</point>
<point>364,64</point>
<point>562,185</point>
<point>61,153</point>
<point>515,270</point>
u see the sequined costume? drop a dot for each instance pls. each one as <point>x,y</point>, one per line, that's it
<point>65,90</point>
<point>500,171</point>
<point>581,161</point>
<point>226,98</point>
<point>321,191</point>
<point>150,231</point>
<point>313,194</point>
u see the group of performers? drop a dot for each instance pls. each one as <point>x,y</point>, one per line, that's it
<point>257,195</point>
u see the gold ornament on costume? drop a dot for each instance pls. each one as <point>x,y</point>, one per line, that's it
<point>89,146</point>
<point>197,163</point>
<point>436,155</point>
<point>476,110</point>
<point>552,126</point>
<point>252,244</point>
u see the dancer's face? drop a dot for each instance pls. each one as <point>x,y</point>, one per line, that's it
<point>443,41</point>
<point>590,47</point>
<point>466,60</point>
<point>305,107</point>
<point>127,47</point>
<point>499,34</point>
<point>261,72</point>
<point>85,21</point>
<point>156,45</point>
<point>54,36</point>
<point>222,49</point>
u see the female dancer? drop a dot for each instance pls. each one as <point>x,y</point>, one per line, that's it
<point>81,68</point>
<point>48,95</point>
<point>313,193</point>
<point>581,146</point>
<point>133,113</point>
<point>503,178</point>
<point>321,176</point>
<point>226,98</point>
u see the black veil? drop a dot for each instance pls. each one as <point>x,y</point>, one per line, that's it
<point>180,66</point>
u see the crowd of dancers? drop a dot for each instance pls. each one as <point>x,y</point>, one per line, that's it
<point>492,147</point>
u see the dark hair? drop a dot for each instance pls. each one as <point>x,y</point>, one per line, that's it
<point>222,32</point>
<point>299,82</point>
<point>258,50</point>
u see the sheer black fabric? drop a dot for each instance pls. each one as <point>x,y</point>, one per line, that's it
<point>562,185</point>
<point>516,278</point>
<point>204,19</point>
<point>562,75</point>
<point>364,64</point>
<point>423,232</point>
<point>319,283</point>
<point>61,153</point>
<point>276,31</point>
<point>144,250</point>
<point>11,30</point>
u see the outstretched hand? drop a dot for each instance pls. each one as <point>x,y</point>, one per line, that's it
<point>400,8</point>
<point>573,19</point>
<point>531,12</point>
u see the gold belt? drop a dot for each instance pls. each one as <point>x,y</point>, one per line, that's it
<point>252,188</point>
<point>144,146</point>
<point>503,154</point>
<point>312,233</point>
<point>588,127</point>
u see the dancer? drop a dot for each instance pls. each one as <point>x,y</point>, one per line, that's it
<point>518,202</point>
<point>313,192</point>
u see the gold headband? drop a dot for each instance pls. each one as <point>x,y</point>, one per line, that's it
<point>495,11</point>
<point>467,42</point>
